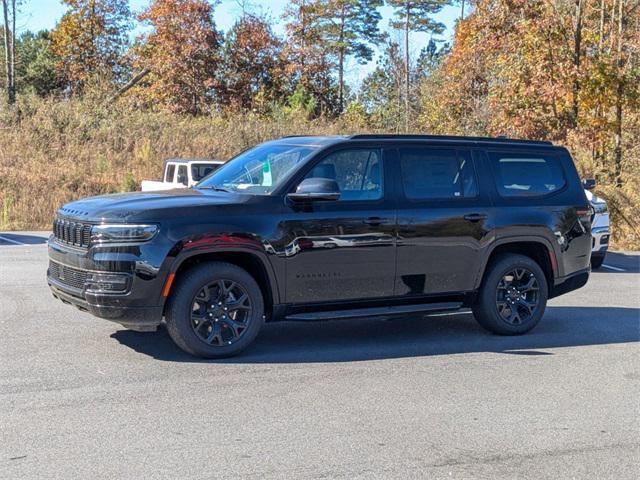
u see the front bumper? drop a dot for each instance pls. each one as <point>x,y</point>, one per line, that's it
<point>137,305</point>
<point>600,242</point>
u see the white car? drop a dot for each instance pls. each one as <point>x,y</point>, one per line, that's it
<point>599,226</point>
<point>181,173</point>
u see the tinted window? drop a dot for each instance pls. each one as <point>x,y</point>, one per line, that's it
<point>357,172</point>
<point>527,175</point>
<point>171,170</point>
<point>429,173</point>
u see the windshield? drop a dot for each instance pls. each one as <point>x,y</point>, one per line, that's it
<point>260,170</point>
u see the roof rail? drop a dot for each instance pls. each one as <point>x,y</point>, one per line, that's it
<point>500,139</point>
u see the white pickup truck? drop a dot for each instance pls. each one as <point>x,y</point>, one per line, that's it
<point>181,173</point>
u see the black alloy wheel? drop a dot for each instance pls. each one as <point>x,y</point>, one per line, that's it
<point>215,310</point>
<point>513,295</point>
<point>517,296</point>
<point>221,312</point>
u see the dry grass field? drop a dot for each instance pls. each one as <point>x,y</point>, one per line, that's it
<point>53,151</point>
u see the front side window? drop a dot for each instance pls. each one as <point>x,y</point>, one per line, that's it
<point>182,174</point>
<point>358,173</point>
<point>526,175</point>
<point>437,173</point>
<point>260,170</point>
<point>171,170</point>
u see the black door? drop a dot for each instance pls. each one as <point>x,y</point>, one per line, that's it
<point>442,221</point>
<point>343,249</point>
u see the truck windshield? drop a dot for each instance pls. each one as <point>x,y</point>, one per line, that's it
<point>259,170</point>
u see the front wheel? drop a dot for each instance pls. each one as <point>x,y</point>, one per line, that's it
<point>216,310</point>
<point>513,295</point>
<point>597,261</point>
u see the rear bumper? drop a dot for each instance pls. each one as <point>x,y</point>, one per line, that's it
<point>569,283</point>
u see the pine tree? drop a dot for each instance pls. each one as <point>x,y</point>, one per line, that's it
<point>415,16</point>
<point>350,28</point>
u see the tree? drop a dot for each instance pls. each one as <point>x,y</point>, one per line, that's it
<point>90,40</point>
<point>350,28</point>
<point>36,65</point>
<point>381,90</point>
<point>309,60</point>
<point>252,65</point>
<point>9,34</point>
<point>182,53</point>
<point>414,16</point>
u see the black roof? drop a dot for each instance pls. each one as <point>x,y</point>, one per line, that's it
<point>441,138</point>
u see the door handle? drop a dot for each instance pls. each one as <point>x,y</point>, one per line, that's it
<point>374,221</point>
<point>475,217</point>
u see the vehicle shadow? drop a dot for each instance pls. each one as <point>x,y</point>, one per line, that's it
<point>374,339</point>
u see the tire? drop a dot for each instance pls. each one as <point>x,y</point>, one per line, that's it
<point>198,300</point>
<point>597,261</point>
<point>498,298</point>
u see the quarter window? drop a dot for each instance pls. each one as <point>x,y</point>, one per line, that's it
<point>358,173</point>
<point>527,175</point>
<point>437,173</point>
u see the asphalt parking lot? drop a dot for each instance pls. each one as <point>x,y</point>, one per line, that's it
<point>432,397</point>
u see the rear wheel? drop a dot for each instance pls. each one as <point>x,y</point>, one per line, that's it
<point>215,311</point>
<point>513,295</point>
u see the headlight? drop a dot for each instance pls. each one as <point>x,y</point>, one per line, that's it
<point>123,233</point>
<point>600,207</point>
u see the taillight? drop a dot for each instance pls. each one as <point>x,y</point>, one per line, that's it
<point>584,213</point>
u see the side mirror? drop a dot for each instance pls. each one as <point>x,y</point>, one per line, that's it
<point>314,189</point>
<point>589,183</point>
<point>183,179</point>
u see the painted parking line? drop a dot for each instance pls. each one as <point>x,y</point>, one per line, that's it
<point>15,242</point>
<point>617,269</point>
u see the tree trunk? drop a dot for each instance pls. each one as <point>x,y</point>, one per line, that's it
<point>617,152</point>
<point>341,64</point>
<point>462,10</point>
<point>406,68</point>
<point>9,52</point>
<point>577,48</point>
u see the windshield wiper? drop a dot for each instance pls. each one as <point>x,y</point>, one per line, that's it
<point>216,188</point>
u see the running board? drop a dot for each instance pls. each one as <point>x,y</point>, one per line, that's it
<point>375,312</point>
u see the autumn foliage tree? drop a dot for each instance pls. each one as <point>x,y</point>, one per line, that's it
<point>182,53</point>
<point>90,40</point>
<point>252,69</point>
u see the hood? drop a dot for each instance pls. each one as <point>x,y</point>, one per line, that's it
<point>148,206</point>
<point>593,198</point>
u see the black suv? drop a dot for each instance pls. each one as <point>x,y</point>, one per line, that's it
<point>315,228</point>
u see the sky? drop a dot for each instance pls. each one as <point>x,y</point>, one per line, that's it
<point>44,14</point>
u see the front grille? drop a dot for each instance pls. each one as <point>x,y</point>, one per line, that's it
<point>67,275</point>
<point>68,232</point>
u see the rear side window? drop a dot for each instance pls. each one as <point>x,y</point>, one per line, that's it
<point>523,175</point>
<point>437,173</point>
